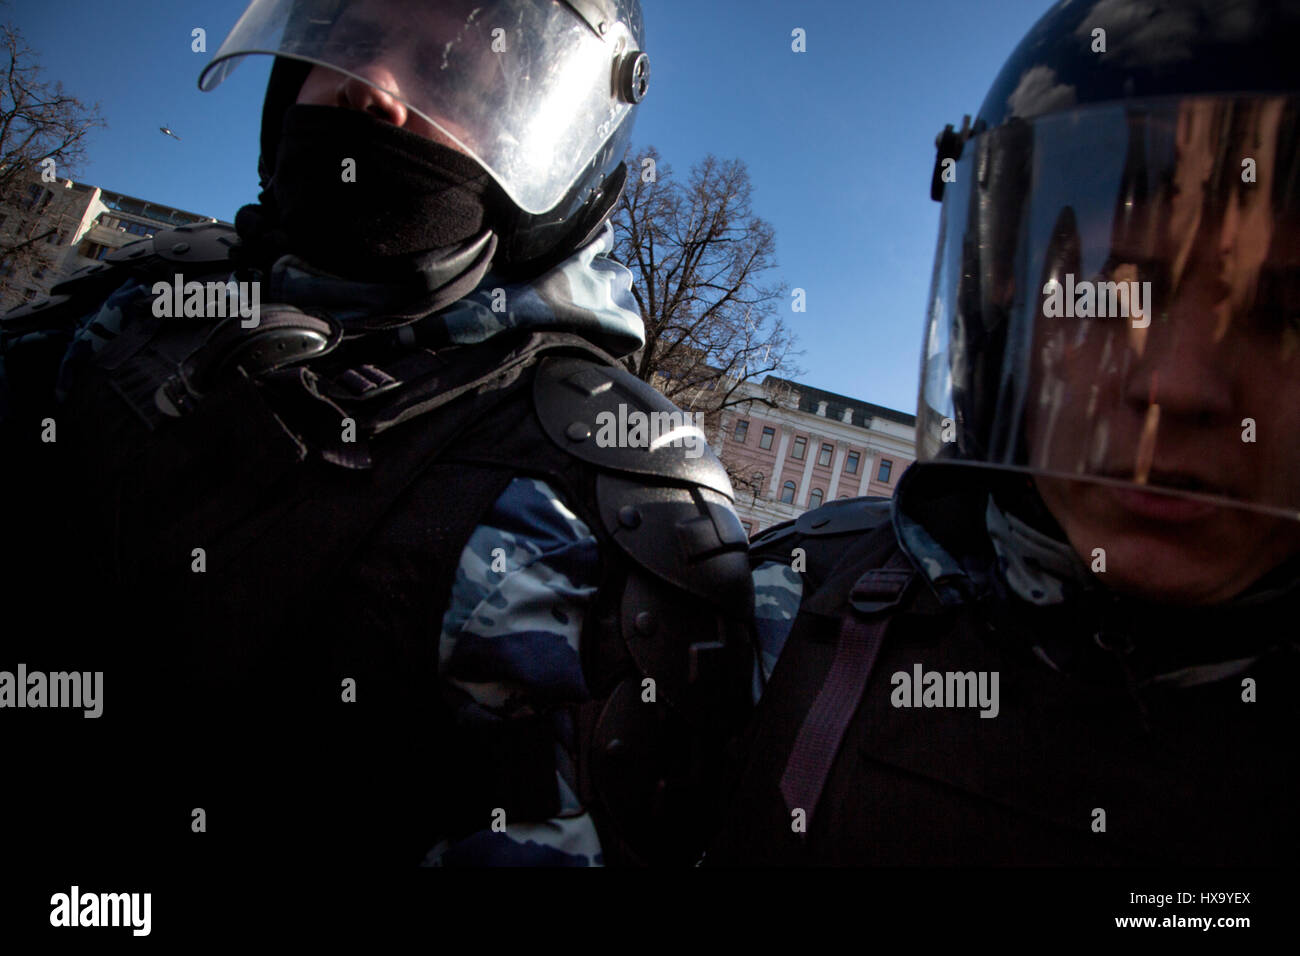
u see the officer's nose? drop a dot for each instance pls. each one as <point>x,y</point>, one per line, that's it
<point>1185,364</point>
<point>369,95</point>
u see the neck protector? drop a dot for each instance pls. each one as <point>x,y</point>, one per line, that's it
<point>588,294</point>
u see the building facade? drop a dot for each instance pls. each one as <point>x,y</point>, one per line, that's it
<point>792,447</point>
<point>61,226</point>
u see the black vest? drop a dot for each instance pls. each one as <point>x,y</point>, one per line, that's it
<point>327,559</point>
<point>1184,776</point>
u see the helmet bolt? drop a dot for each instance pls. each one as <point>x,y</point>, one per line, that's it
<point>634,77</point>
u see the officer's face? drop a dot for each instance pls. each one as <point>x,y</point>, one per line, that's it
<point>1166,404</point>
<point>397,50</point>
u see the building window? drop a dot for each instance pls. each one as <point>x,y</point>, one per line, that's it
<point>3,218</point>
<point>787,493</point>
<point>800,445</point>
<point>815,499</point>
<point>742,427</point>
<point>749,527</point>
<point>93,250</point>
<point>851,463</point>
<point>766,441</point>
<point>824,456</point>
<point>34,195</point>
<point>886,466</point>
<point>28,293</point>
<point>39,272</point>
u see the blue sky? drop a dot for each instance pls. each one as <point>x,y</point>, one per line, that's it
<point>839,139</point>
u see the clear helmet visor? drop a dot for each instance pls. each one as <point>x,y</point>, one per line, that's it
<point>1116,298</point>
<point>527,88</point>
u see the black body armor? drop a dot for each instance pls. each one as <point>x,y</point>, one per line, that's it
<point>331,489</point>
<point>1185,775</point>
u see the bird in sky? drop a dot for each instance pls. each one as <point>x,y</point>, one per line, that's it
<point>164,129</point>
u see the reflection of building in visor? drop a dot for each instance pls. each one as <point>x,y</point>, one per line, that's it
<point>1116,297</point>
<point>527,88</point>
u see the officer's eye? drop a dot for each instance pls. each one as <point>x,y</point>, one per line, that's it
<point>360,36</point>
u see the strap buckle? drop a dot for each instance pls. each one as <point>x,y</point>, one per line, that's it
<point>880,589</point>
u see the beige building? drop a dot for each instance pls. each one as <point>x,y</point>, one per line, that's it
<point>70,225</point>
<point>814,446</point>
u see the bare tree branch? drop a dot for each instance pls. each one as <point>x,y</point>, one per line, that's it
<point>700,254</point>
<point>42,140</point>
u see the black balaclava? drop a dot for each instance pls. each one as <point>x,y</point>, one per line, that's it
<point>412,204</point>
<point>410,194</point>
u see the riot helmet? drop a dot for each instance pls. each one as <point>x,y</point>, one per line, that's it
<point>1116,289</point>
<point>540,93</point>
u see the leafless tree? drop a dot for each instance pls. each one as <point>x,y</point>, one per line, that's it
<point>700,256</point>
<point>42,139</point>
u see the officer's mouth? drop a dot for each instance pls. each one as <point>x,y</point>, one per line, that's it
<point>1175,497</point>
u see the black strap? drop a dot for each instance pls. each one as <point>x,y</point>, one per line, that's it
<point>859,641</point>
<point>359,502</point>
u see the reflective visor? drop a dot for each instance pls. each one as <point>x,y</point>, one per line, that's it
<point>526,88</point>
<point>1116,297</point>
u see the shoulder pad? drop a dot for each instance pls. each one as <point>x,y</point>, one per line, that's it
<point>848,516</point>
<point>586,409</point>
<point>771,533</point>
<point>200,247</point>
<point>689,537</point>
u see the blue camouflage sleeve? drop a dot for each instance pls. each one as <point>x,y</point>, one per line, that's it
<point>509,649</point>
<point>778,589</point>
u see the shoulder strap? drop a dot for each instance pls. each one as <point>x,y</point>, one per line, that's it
<point>862,631</point>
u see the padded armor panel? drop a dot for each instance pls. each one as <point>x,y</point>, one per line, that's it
<point>199,246</point>
<point>683,644</point>
<point>835,517</point>
<point>573,395</point>
<point>193,250</point>
<point>689,537</point>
